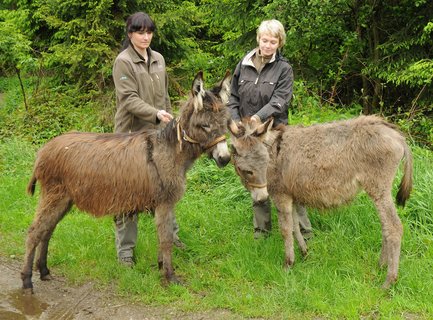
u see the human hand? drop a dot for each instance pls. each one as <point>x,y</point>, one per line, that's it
<point>164,116</point>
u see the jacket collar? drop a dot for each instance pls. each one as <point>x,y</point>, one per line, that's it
<point>248,59</point>
<point>136,57</point>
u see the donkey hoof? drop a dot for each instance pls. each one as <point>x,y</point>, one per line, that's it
<point>386,286</point>
<point>304,253</point>
<point>288,263</point>
<point>28,291</point>
<point>389,282</point>
<point>175,280</point>
<point>172,280</point>
<point>46,277</point>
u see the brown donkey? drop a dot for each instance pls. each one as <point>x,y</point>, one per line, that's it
<point>121,173</point>
<point>323,166</point>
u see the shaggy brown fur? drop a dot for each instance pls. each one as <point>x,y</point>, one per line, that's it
<point>117,173</point>
<point>325,166</point>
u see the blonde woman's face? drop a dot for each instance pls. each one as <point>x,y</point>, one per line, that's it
<point>268,44</point>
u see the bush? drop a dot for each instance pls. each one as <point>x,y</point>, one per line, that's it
<point>53,111</point>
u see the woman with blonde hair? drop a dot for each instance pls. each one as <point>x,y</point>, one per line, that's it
<point>261,88</point>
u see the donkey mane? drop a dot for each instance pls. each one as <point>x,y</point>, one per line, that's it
<point>168,134</point>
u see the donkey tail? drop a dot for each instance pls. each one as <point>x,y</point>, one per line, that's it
<point>407,179</point>
<point>31,186</point>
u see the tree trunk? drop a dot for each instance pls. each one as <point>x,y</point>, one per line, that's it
<point>22,88</point>
<point>377,87</point>
<point>364,37</point>
<point>366,105</point>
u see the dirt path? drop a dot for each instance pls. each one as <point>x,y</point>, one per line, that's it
<point>56,300</point>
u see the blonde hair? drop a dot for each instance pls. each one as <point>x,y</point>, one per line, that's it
<point>274,28</point>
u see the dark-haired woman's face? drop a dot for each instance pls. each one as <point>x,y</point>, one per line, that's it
<point>141,39</point>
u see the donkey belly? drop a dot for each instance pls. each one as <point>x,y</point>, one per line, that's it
<point>318,192</point>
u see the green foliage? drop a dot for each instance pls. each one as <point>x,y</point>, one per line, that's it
<point>411,73</point>
<point>352,48</point>
<point>406,54</point>
<point>15,45</point>
<point>420,205</point>
<point>231,26</point>
<point>80,44</point>
<point>11,97</point>
<point>307,107</point>
<point>53,112</point>
<point>418,127</point>
<point>317,35</point>
<point>368,54</point>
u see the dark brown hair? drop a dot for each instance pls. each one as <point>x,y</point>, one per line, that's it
<point>138,21</point>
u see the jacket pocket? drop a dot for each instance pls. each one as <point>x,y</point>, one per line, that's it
<point>266,90</point>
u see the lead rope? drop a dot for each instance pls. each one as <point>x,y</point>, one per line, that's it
<point>179,138</point>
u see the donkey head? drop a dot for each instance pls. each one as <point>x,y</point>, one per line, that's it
<point>205,118</point>
<point>250,156</point>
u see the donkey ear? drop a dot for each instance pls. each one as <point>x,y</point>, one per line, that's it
<point>198,91</point>
<point>236,130</point>
<point>263,128</point>
<point>224,91</point>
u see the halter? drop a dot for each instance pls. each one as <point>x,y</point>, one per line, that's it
<point>248,183</point>
<point>182,135</point>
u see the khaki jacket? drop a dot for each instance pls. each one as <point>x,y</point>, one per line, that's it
<point>141,90</point>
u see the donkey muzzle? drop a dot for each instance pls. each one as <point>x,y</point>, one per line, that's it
<point>221,154</point>
<point>259,194</point>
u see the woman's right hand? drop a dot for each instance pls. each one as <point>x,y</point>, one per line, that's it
<point>164,116</point>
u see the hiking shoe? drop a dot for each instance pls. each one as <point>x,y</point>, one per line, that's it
<point>127,262</point>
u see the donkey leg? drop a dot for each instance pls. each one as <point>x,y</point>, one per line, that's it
<point>36,233</point>
<point>392,232</point>
<point>297,231</point>
<point>58,212</point>
<point>26,273</point>
<point>164,226</point>
<point>384,251</point>
<point>284,206</point>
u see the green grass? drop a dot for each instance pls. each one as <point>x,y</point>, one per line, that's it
<point>223,267</point>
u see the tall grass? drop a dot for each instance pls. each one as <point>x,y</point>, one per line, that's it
<point>223,266</point>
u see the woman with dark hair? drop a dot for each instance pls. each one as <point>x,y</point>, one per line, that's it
<point>141,79</point>
<point>142,101</point>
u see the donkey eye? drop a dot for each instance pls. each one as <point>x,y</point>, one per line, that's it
<point>205,128</point>
<point>247,173</point>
